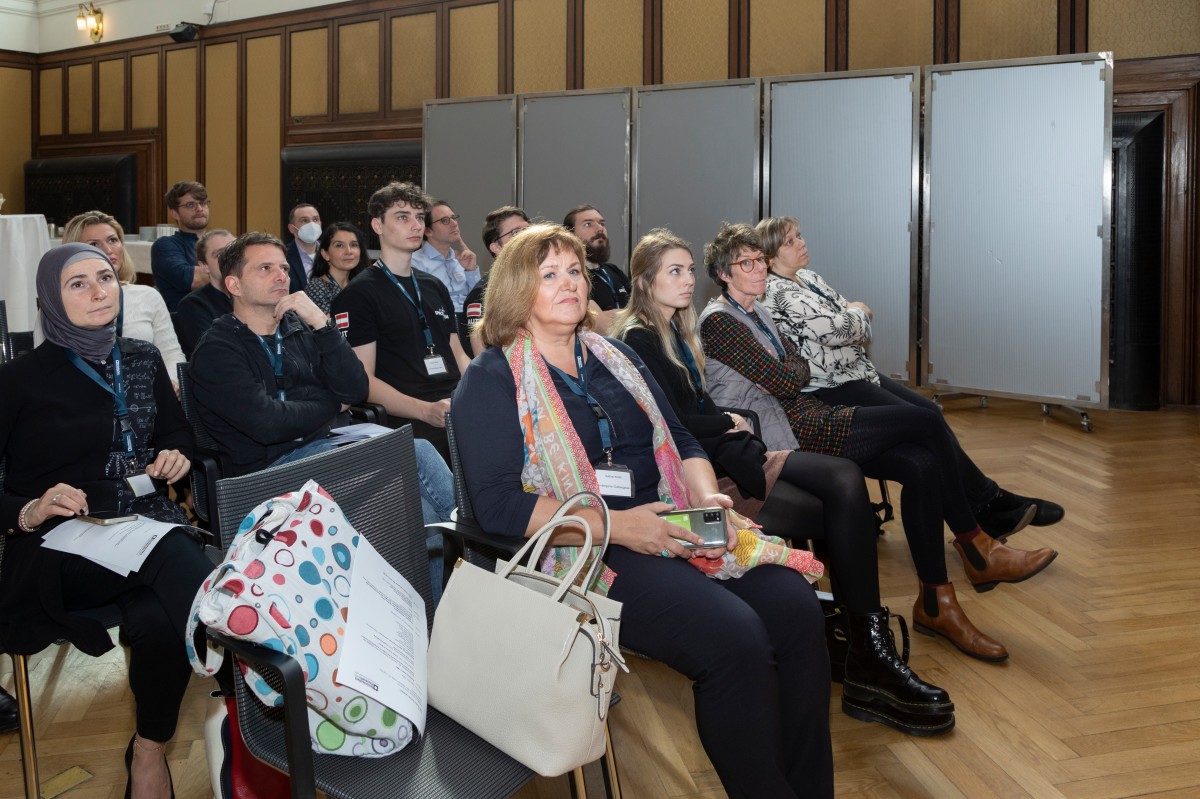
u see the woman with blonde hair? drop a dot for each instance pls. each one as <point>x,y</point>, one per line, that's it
<point>550,408</point>
<point>144,314</point>
<point>809,495</point>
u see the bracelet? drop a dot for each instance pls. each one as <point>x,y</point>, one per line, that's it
<point>21,520</point>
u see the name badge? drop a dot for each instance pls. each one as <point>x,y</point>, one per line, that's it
<point>141,484</point>
<point>435,365</point>
<point>615,480</point>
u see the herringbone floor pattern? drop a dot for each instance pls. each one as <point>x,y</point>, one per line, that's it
<point>1099,700</point>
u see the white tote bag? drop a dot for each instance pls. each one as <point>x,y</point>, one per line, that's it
<point>528,661</point>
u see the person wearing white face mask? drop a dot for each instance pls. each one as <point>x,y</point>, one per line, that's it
<point>304,223</point>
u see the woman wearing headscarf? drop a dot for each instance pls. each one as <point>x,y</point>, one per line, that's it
<point>89,424</point>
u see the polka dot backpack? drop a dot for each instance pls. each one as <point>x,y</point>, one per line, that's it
<point>285,584</point>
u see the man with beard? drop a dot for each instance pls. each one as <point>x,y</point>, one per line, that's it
<point>610,286</point>
<point>173,258</point>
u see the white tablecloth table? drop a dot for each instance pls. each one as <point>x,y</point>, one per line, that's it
<point>23,240</point>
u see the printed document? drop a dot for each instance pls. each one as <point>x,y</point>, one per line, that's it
<point>121,548</point>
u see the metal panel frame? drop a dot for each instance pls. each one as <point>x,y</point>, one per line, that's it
<point>626,210</point>
<point>1106,222</point>
<point>915,364</point>
<point>428,104</point>
<point>638,91</point>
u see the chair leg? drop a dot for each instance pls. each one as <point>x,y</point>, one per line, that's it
<point>612,780</point>
<point>25,715</point>
<point>578,786</point>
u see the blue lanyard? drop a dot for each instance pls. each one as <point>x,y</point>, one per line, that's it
<point>761,325</point>
<point>118,393</point>
<point>416,303</point>
<point>686,353</point>
<point>276,359</point>
<point>608,281</point>
<point>820,293</point>
<point>578,386</point>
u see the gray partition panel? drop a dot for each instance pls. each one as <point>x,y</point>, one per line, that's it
<point>1017,213</point>
<point>696,162</point>
<point>470,157</point>
<point>575,150</point>
<point>842,158</point>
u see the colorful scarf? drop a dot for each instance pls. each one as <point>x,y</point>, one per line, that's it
<point>557,466</point>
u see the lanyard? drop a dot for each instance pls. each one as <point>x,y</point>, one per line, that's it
<point>608,281</point>
<point>578,386</point>
<point>276,359</point>
<point>686,353</point>
<point>118,393</point>
<point>761,325</point>
<point>416,303</point>
<point>820,293</point>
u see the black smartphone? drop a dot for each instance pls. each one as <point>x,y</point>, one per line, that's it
<point>708,523</point>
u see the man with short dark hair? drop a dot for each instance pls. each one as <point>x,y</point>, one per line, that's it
<point>304,223</point>
<point>401,321</point>
<point>610,285</point>
<point>173,258</point>
<point>499,227</point>
<point>273,377</point>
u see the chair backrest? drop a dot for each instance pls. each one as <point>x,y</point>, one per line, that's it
<point>20,342</point>
<point>187,399</point>
<point>5,345</point>
<point>462,498</point>
<point>375,483</point>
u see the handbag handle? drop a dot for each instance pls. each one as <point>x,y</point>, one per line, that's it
<point>586,551</point>
<point>537,543</point>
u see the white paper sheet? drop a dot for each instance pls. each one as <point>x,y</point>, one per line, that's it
<point>121,548</point>
<point>357,432</point>
<point>386,642</point>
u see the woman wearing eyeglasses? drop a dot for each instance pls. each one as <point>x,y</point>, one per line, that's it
<point>749,365</point>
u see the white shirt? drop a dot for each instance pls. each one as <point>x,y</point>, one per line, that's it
<point>447,269</point>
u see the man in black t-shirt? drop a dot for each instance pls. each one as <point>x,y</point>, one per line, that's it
<point>401,322</point>
<point>610,285</point>
<point>499,227</point>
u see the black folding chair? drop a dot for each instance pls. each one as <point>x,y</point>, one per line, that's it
<point>375,484</point>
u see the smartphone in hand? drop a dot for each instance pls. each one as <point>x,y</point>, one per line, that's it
<point>105,518</point>
<point>708,523</point>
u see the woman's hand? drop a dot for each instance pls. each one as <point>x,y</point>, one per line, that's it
<point>726,502</point>
<point>739,423</point>
<point>642,530</point>
<point>59,500</point>
<point>170,465</point>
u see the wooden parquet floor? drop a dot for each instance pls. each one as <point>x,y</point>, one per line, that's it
<point>1099,700</point>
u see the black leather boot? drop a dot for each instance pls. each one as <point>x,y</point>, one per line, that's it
<point>879,685</point>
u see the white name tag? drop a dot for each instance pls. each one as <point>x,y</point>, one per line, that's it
<point>141,484</point>
<point>615,480</point>
<point>435,365</point>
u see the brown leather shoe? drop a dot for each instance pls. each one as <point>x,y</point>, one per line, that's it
<point>937,612</point>
<point>988,562</point>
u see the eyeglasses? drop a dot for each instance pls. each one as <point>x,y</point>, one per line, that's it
<point>500,239</point>
<point>192,205</point>
<point>750,264</point>
<point>445,220</point>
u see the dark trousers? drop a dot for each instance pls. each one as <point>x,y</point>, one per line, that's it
<point>755,649</point>
<point>844,525</point>
<point>979,488</point>
<point>155,603</point>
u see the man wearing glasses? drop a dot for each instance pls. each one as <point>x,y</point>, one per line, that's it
<point>610,286</point>
<point>499,227</point>
<point>173,258</point>
<point>445,255</point>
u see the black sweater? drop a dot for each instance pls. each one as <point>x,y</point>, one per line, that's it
<point>233,380</point>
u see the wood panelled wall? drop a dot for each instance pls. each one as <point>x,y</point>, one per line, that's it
<point>219,109</point>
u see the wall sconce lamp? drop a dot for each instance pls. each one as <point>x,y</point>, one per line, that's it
<point>90,19</point>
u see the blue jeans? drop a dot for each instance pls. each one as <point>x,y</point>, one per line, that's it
<point>437,503</point>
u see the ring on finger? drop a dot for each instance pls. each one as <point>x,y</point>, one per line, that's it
<point>54,499</point>
<point>664,554</point>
